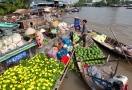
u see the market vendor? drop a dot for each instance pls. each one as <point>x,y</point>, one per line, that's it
<point>77,24</point>
<point>47,15</point>
<point>31,33</point>
<point>4,19</point>
<point>13,19</point>
<point>83,34</point>
<point>39,38</point>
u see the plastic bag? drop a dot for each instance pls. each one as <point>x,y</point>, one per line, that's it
<point>69,48</point>
<point>61,53</point>
<point>67,41</point>
<point>129,52</point>
<point>52,54</point>
<point>118,49</point>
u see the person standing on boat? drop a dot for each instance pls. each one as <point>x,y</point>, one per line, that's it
<point>83,34</point>
<point>77,24</point>
<point>47,15</point>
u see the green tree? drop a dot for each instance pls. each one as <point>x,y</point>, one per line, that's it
<point>78,4</point>
<point>122,2</point>
<point>109,2</point>
<point>6,6</point>
<point>127,2</point>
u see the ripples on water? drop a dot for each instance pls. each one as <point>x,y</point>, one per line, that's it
<point>102,19</point>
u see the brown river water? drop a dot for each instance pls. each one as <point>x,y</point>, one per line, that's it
<point>101,19</point>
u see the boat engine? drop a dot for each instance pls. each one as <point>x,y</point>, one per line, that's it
<point>118,82</point>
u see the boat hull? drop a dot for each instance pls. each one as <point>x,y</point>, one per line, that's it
<point>113,45</point>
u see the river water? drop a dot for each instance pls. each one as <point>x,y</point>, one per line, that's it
<point>101,19</point>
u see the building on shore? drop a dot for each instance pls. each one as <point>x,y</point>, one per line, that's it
<point>52,3</point>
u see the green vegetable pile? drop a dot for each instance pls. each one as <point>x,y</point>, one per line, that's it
<point>38,73</point>
<point>45,40</point>
<point>93,52</point>
<point>75,37</point>
<point>53,20</point>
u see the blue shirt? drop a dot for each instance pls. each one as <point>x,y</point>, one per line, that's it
<point>76,22</point>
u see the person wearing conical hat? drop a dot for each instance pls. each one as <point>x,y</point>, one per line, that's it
<point>77,24</point>
<point>13,19</point>
<point>47,14</point>
<point>31,33</point>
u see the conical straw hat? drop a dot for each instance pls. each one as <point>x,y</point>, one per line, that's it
<point>30,31</point>
<point>47,10</point>
<point>42,30</point>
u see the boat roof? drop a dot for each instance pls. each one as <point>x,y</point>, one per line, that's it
<point>9,25</point>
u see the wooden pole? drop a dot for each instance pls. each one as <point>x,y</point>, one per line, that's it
<point>121,47</point>
<point>116,68</point>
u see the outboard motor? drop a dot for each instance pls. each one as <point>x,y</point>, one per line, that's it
<point>119,82</point>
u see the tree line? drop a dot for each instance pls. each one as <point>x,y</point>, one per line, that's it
<point>9,6</point>
<point>103,2</point>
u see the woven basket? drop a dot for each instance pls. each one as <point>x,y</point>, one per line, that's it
<point>54,24</point>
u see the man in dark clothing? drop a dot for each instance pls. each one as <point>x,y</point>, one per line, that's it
<point>83,34</point>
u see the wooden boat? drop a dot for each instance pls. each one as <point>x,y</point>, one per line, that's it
<point>110,44</point>
<point>28,51</point>
<point>85,75</point>
<point>38,21</point>
<point>129,8</point>
<point>105,70</point>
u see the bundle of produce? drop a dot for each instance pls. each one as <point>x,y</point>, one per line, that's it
<point>7,40</point>
<point>63,27</point>
<point>10,42</point>
<point>100,38</point>
<point>38,73</point>
<point>126,49</point>
<point>83,53</point>
<point>75,37</point>
<point>93,34</point>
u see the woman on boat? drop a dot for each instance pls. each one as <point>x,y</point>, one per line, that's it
<point>30,32</point>
<point>77,23</point>
<point>83,34</point>
<point>13,19</point>
<point>39,38</point>
<point>47,15</point>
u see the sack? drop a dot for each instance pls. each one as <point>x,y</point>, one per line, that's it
<point>61,53</point>
<point>52,54</point>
